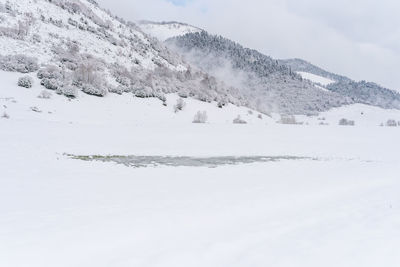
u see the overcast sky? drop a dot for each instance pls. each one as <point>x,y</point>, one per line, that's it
<point>358,38</point>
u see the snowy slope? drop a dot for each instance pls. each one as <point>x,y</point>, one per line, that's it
<point>165,30</point>
<point>362,115</point>
<point>123,109</point>
<point>96,31</point>
<point>315,78</point>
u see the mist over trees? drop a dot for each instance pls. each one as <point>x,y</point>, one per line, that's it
<point>268,85</point>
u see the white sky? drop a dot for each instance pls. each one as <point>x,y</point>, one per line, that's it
<point>357,38</point>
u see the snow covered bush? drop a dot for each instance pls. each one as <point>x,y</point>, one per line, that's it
<point>200,117</point>
<point>391,123</point>
<point>50,72</point>
<point>145,92</point>
<point>346,122</point>
<point>180,105</point>
<point>120,89</point>
<point>18,63</point>
<point>69,91</point>
<point>238,120</point>
<point>25,81</point>
<point>45,94</point>
<point>94,90</point>
<point>51,84</point>
<point>123,80</point>
<point>5,115</point>
<point>288,119</point>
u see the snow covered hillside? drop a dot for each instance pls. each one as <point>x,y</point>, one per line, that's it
<point>76,46</point>
<point>165,30</point>
<point>37,104</point>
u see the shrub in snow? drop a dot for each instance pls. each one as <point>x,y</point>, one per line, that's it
<point>144,93</point>
<point>18,63</point>
<point>238,120</point>
<point>180,105</point>
<point>5,115</point>
<point>36,109</point>
<point>50,72</point>
<point>259,116</point>
<point>346,122</point>
<point>69,91</point>
<point>94,90</point>
<point>200,117</point>
<point>51,84</point>
<point>45,94</point>
<point>288,119</point>
<point>120,89</point>
<point>125,81</point>
<point>391,123</point>
<point>25,81</point>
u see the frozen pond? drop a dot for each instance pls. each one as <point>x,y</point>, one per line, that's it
<point>209,162</point>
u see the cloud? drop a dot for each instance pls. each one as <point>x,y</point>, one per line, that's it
<point>357,38</point>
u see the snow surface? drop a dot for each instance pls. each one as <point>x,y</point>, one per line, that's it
<point>315,78</point>
<point>164,31</point>
<point>341,210</point>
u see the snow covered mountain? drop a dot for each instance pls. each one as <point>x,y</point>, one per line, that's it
<point>360,92</point>
<point>76,46</point>
<point>166,30</point>
<point>280,83</point>
<point>273,87</point>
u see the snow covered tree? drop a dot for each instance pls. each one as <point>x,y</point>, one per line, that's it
<point>346,122</point>
<point>25,81</point>
<point>200,117</point>
<point>180,105</point>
